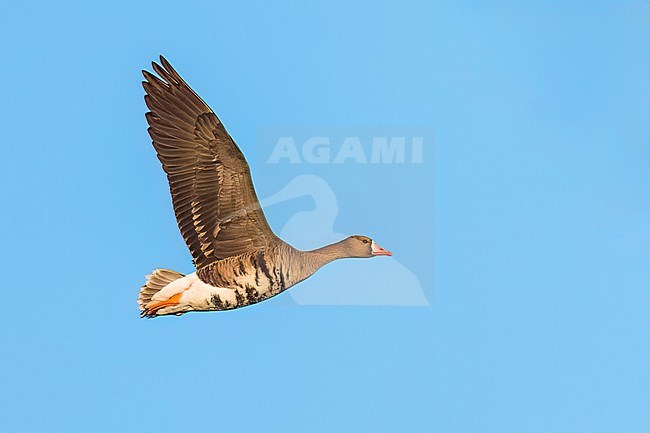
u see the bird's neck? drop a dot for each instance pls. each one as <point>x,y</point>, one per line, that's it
<point>328,253</point>
<point>311,261</point>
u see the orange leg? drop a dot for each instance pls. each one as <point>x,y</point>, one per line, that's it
<point>152,307</point>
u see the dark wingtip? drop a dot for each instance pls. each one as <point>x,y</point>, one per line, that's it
<point>166,64</point>
<point>148,75</point>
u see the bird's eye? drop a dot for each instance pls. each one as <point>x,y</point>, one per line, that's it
<point>365,241</point>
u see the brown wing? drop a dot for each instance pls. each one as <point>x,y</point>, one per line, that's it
<point>215,203</point>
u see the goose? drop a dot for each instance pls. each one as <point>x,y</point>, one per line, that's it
<point>239,261</point>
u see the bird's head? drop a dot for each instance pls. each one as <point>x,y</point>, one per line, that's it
<point>364,247</point>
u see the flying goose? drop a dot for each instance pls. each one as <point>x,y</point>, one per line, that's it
<point>239,260</point>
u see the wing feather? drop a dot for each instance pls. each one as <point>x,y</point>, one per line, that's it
<point>216,206</point>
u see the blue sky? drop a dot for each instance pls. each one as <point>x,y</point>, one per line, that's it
<point>527,223</point>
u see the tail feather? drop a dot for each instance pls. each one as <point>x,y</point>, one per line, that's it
<point>158,279</point>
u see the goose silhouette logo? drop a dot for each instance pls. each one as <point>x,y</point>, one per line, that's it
<point>380,283</point>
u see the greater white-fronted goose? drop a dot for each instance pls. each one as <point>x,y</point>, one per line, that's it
<point>239,260</point>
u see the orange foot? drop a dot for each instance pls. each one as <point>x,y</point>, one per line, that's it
<point>152,307</point>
